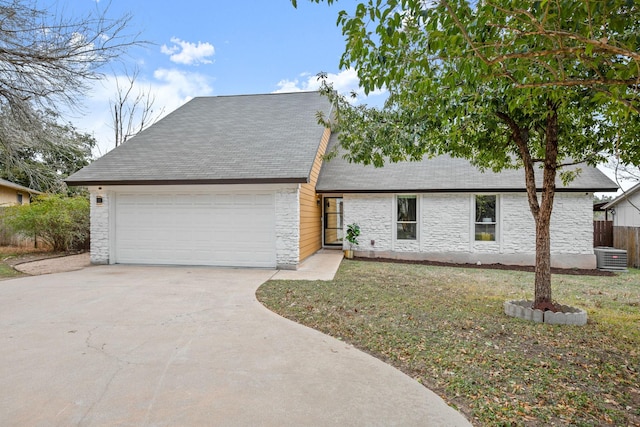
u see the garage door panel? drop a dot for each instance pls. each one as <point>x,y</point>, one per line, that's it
<point>263,199</point>
<point>218,229</point>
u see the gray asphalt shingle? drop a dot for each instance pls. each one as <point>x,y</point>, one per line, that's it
<point>260,138</point>
<point>274,138</point>
<point>439,174</point>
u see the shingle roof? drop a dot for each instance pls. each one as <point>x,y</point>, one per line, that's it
<point>9,184</point>
<point>438,174</point>
<point>225,139</point>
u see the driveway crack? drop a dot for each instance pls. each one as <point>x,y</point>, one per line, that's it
<point>105,389</point>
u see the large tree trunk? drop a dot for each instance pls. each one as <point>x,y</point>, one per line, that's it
<point>540,209</point>
<point>542,294</point>
<point>542,298</point>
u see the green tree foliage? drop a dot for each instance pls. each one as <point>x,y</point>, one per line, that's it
<point>537,85</point>
<point>44,154</point>
<point>47,60</point>
<point>61,221</point>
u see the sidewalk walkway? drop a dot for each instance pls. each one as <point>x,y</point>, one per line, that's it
<point>322,265</point>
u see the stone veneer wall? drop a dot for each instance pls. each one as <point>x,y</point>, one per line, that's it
<point>446,224</point>
<point>446,221</point>
<point>287,228</point>
<point>373,213</point>
<point>572,224</point>
<point>99,228</point>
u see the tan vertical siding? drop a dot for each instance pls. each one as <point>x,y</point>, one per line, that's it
<point>310,209</point>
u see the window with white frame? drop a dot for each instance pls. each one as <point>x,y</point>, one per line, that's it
<point>406,218</point>
<point>486,219</point>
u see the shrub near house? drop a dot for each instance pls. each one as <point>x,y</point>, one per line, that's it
<point>60,221</point>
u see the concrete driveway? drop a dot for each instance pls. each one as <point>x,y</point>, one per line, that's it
<point>156,346</point>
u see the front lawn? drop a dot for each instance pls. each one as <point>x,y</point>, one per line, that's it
<point>445,327</point>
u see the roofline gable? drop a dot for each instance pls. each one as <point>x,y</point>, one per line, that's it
<point>625,194</point>
<point>261,138</point>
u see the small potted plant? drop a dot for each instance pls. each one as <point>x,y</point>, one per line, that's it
<point>353,231</point>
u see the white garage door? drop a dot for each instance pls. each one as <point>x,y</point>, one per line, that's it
<point>219,229</point>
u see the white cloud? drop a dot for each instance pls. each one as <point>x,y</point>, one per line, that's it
<point>345,82</point>
<point>175,87</point>
<point>170,87</point>
<point>286,86</point>
<point>187,53</point>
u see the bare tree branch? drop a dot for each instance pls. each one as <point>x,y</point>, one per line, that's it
<point>132,112</point>
<point>47,59</point>
<point>46,62</point>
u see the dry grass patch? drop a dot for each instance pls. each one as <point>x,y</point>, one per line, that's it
<point>12,251</point>
<point>445,327</point>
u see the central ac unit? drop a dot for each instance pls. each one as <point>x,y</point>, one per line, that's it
<point>611,259</point>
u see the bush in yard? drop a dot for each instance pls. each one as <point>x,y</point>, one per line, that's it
<point>61,221</point>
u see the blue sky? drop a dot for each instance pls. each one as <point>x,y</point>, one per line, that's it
<point>211,48</point>
<point>208,48</point>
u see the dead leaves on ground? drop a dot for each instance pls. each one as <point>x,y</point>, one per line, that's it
<point>445,328</point>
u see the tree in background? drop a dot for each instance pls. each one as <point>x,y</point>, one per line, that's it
<point>132,110</point>
<point>623,172</point>
<point>42,156</point>
<point>538,85</point>
<point>60,221</point>
<point>47,61</point>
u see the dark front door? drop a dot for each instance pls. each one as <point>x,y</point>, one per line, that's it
<point>333,227</point>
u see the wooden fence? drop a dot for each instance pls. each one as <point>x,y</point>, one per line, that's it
<point>602,233</point>
<point>628,238</point>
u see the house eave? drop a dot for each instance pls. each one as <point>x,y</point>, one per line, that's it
<point>18,187</point>
<point>86,183</point>
<point>460,190</point>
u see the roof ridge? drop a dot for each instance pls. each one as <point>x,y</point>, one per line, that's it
<point>299,92</point>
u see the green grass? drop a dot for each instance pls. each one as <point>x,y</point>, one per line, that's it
<point>7,272</point>
<point>446,328</point>
<point>8,254</point>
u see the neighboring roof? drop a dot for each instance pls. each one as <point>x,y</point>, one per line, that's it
<point>438,174</point>
<point>5,183</point>
<point>599,207</point>
<point>269,138</point>
<point>624,196</point>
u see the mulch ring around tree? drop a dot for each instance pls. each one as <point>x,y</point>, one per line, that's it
<point>528,268</point>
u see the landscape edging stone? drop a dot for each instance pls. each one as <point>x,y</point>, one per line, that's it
<point>567,315</point>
